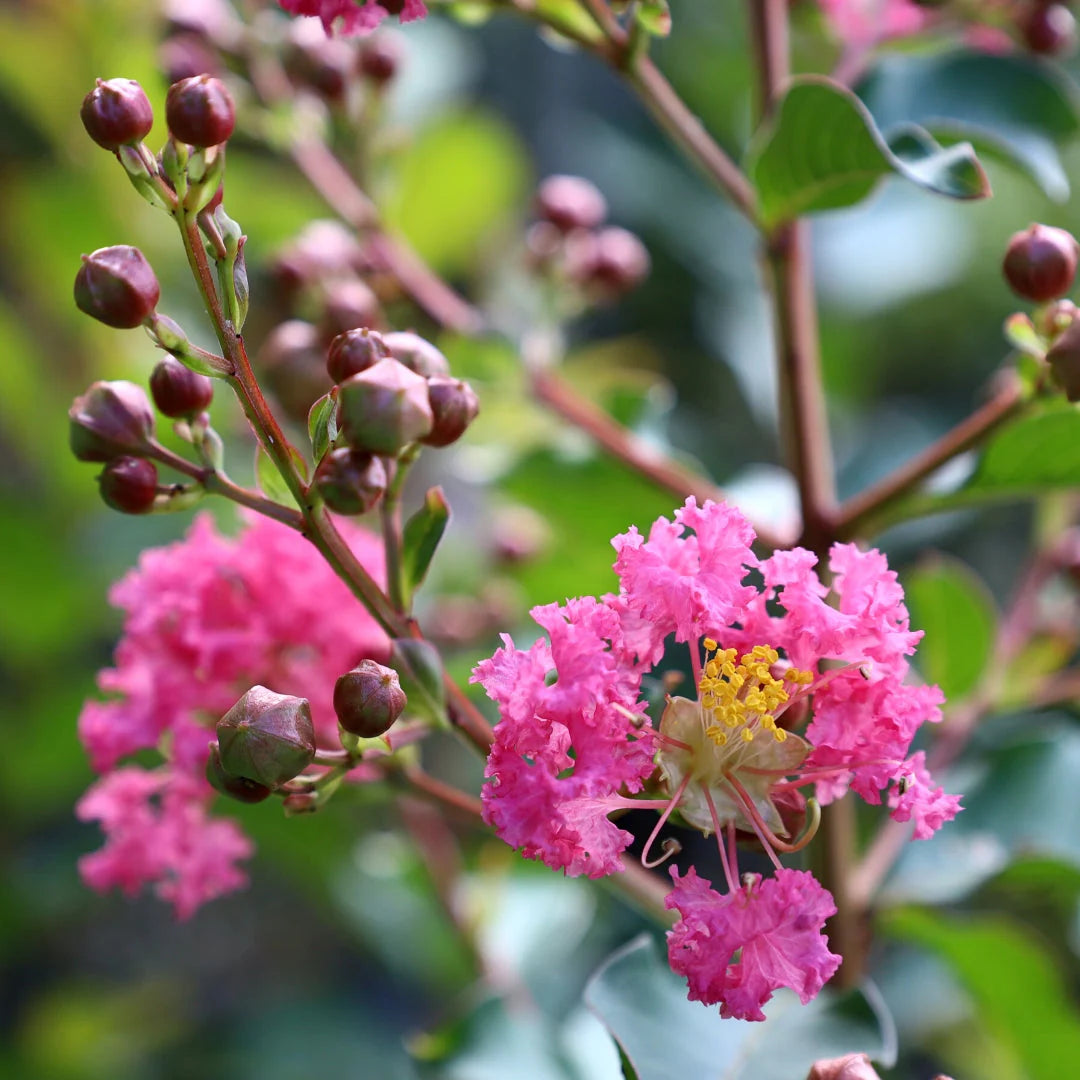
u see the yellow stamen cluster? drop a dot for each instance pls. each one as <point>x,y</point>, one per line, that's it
<point>744,696</point>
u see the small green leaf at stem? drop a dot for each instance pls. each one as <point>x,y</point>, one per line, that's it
<point>654,17</point>
<point>421,537</point>
<point>271,483</point>
<point>1022,336</point>
<point>823,151</point>
<point>420,672</point>
<point>322,424</point>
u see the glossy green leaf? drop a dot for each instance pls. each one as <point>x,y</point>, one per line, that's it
<point>1035,453</point>
<point>957,613</point>
<point>664,1034</point>
<point>1011,105</point>
<point>322,424</point>
<point>823,151</point>
<point>1019,989</point>
<point>421,537</point>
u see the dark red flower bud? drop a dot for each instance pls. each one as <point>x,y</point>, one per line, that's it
<point>368,699</point>
<point>611,262</point>
<point>178,391</point>
<point>236,787</point>
<point>200,111</point>
<point>1049,29</point>
<point>266,737</point>
<point>348,305</point>
<point>117,112</point>
<point>293,361</point>
<point>416,353</point>
<point>1064,361</point>
<point>324,64</point>
<point>353,352</point>
<point>384,408</point>
<point>454,406</point>
<point>569,202</point>
<point>380,57</point>
<point>1040,262</point>
<point>350,481</point>
<point>117,286</point>
<point>129,484</point>
<point>111,419</point>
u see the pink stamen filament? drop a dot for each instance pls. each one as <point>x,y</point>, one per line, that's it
<point>660,824</point>
<point>677,743</point>
<point>732,853</point>
<point>731,869</point>
<point>759,826</point>
<point>764,831</point>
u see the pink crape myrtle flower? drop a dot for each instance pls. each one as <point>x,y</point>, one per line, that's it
<point>205,619</point>
<point>861,23</point>
<point>799,685</point>
<point>355,16</point>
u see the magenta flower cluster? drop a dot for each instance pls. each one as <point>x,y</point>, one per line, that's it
<point>575,741</point>
<point>205,619</point>
<point>354,17</point>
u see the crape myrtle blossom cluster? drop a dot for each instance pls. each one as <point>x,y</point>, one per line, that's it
<point>356,16</point>
<point>575,742</point>
<point>205,618</point>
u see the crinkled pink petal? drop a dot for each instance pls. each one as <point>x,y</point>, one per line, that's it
<point>920,800</point>
<point>355,17</point>
<point>774,926</point>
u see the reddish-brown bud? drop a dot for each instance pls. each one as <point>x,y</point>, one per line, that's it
<point>350,481</point>
<point>117,286</point>
<point>111,419</point>
<point>293,361</point>
<point>1064,361</point>
<point>178,391</point>
<point>385,408</point>
<point>183,56</point>
<point>266,737</point>
<point>117,112</point>
<point>368,699</point>
<point>380,57</point>
<point>353,352</point>
<point>416,353</point>
<point>1049,29</point>
<point>129,484</point>
<point>848,1067</point>
<point>324,64</point>
<point>200,111</point>
<point>569,203</point>
<point>611,262</point>
<point>454,406</point>
<point>236,787</point>
<point>1040,262</point>
<point>348,305</point>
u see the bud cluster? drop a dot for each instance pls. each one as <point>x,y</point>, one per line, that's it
<point>570,243</point>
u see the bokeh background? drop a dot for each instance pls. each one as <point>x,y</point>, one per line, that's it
<point>339,955</point>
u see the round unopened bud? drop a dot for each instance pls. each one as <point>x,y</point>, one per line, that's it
<point>569,203</point>
<point>129,484</point>
<point>416,353</point>
<point>117,286</point>
<point>848,1067</point>
<point>1040,262</point>
<point>236,787</point>
<point>611,262</point>
<point>348,305</point>
<point>200,111</point>
<point>293,361</point>
<point>368,699</point>
<point>117,112</point>
<point>350,481</point>
<point>1048,29</point>
<point>454,406</point>
<point>384,408</point>
<point>380,57</point>
<point>266,737</point>
<point>324,249</point>
<point>353,352</point>
<point>178,391</point>
<point>1064,361</point>
<point>111,419</point>
<point>324,64</point>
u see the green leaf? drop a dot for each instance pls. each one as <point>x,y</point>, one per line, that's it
<point>654,17</point>
<point>322,424</point>
<point>823,151</point>
<point>1019,989</point>
<point>271,482</point>
<point>420,672</point>
<point>1035,453</point>
<point>956,610</point>
<point>1010,106</point>
<point>644,1005</point>
<point>421,537</point>
<point>1021,334</point>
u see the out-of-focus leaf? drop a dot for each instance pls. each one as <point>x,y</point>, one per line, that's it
<point>1019,107</point>
<point>322,425</point>
<point>1018,988</point>
<point>664,1034</point>
<point>823,151</point>
<point>271,483</point>
<point>1021,335</point>
<point>1035,453</point>
<point>955,609</point>
<point>421,537</point>
<point>420,671</point>
<point>654,17</point>
<point>456,186</point>
<point>570,16</point>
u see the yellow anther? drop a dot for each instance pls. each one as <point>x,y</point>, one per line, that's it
<point>779,734</point>
<point>747,735</point>
<point>716,734</point>
<point>710,645</point>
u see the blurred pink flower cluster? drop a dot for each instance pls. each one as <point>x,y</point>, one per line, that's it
<point>353,16</point>
<point>575,741</point>
<point>206,618</point>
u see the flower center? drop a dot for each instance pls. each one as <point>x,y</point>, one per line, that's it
<point>740,699</point>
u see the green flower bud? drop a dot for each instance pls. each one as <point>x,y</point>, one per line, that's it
<point>416,353</point>
<point>236,787</point>
<point>385,408</point>
<point>266,737</point>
